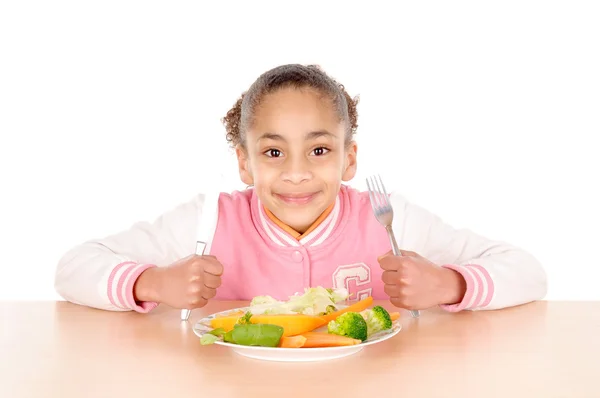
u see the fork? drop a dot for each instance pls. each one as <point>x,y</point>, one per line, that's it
<point>380,202</point>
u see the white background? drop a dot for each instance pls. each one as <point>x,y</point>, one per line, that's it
<point>486,113</point>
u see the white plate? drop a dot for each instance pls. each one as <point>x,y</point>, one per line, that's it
<point>294,354</point>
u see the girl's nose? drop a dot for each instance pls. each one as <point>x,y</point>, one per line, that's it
<point>296,172</point>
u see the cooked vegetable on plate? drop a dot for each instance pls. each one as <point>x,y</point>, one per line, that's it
<point>315,319</point>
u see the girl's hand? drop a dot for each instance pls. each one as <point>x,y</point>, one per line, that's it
<point>412,282</point>
<point>188,283</point>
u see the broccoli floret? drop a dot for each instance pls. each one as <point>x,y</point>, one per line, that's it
<point>349,324</point>
<point>377,319</point>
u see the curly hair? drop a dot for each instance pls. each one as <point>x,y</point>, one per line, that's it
<point>239,117</point>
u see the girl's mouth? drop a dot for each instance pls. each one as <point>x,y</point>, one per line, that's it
<point>296,198</point>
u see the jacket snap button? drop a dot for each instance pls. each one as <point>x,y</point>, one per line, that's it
<point>297,256</point>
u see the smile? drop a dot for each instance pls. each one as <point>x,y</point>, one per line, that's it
<point>296,198</point>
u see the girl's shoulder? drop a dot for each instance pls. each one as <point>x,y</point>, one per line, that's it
<point>237,200</point>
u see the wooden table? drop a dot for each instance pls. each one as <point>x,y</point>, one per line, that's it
<point>57,349</point>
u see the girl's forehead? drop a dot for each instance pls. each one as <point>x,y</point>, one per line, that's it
<point>289,110</point>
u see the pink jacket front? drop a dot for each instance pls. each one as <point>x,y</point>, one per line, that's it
<point>261,258</point>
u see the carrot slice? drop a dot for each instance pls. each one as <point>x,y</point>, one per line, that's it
<point>225,322</point>
<point>292,341</point>
<point>323,339</point>
<point>356,307</point>
<point>394,315</point>
<point>292,325</point>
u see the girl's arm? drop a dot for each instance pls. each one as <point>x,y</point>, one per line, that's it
<point>102,273</point>
<point>497,274</point>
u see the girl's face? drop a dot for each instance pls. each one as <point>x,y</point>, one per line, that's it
<point>296,156</point>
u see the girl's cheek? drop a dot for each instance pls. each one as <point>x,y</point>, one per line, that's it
<point>329,168</point>
<point>266,172</point>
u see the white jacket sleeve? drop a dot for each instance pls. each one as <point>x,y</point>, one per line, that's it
<point>101,273</point>
<point>497,274</point>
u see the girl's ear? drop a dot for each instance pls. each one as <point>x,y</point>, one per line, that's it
<point>243,165</point>
<point>350,162</point>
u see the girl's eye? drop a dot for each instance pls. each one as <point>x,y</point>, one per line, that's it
<point>273,153</point>
<point>320,151</point>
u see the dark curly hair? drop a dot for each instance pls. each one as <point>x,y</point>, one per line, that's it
<point>240,116</point>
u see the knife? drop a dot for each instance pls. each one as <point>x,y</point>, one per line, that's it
<point>207,218</point>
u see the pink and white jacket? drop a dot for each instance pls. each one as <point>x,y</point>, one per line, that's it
<point>261,258</point>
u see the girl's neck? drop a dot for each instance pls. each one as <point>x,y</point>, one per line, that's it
<point>299,234</point>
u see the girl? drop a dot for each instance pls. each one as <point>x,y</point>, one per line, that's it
<point>297,225</point>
